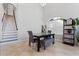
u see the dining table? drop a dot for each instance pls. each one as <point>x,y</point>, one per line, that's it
<point>43,35</point>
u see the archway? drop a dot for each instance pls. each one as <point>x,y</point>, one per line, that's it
<point>56,26</point>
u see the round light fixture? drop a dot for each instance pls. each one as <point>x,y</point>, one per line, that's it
<point>43,4</point>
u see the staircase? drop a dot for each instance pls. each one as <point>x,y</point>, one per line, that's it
<point>9,27</point>
<point>8,36</point>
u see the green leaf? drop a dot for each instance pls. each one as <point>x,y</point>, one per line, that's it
<point>77,21</point>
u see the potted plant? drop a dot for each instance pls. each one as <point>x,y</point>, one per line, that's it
<point>77,28</point>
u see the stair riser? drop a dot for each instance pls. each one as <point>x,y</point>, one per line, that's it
<point>9,35</point>
<point>2,41</point>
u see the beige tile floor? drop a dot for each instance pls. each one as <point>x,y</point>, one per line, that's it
<point>22,49</point>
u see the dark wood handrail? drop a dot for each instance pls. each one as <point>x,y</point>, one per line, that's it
<point>15,20</point>
<point>3,20</point>
<point>3,17</point>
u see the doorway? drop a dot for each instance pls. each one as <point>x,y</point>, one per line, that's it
<point>56,26</point>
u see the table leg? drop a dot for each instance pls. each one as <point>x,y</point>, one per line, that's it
<point>53,38</point>
<point>29,42</point>
<point>38,45</point>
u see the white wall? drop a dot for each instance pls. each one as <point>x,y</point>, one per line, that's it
<point>29,17</point>
<point>60,10</point>
<point>1,15</point>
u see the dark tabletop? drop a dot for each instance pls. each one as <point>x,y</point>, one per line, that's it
<point>42,34</point>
